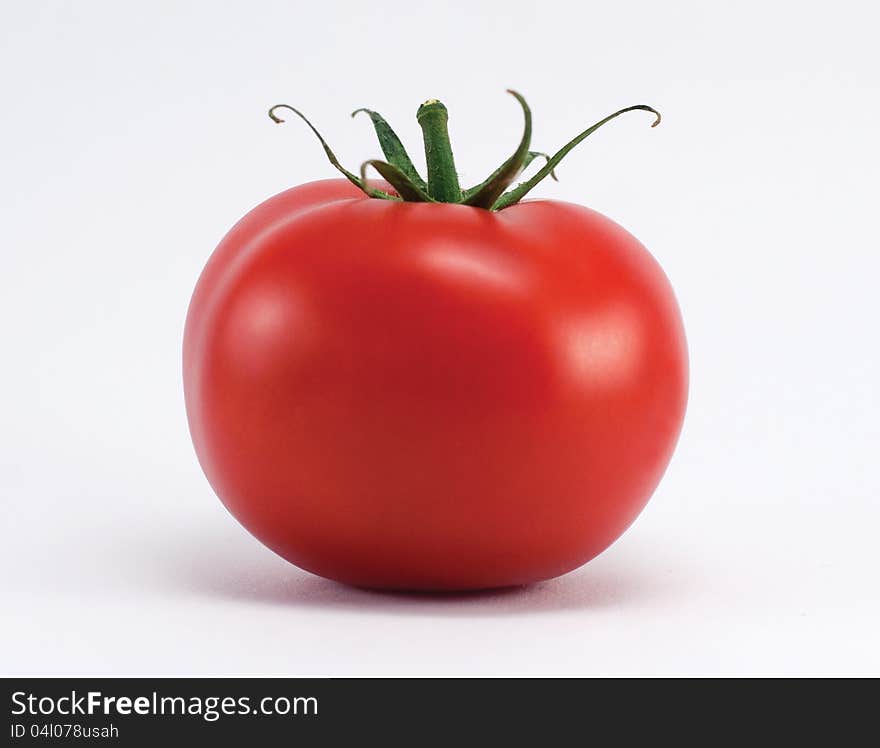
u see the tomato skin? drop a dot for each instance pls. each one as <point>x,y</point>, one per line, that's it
<point>432,396</point>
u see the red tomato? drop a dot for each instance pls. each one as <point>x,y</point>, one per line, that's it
<point>432,396</point>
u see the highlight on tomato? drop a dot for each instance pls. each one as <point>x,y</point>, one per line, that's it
<point>408,384</point>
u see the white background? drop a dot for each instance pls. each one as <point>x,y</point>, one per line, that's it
<point>134,134</point>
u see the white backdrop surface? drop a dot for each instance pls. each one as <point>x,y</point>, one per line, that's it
<point>134,134</point>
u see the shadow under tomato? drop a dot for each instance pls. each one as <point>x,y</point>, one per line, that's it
<point>224,568</point>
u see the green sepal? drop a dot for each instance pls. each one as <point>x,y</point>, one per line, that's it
<point>530,156</point>
<point>394,151</point>
<point>485,195</point>
<point>360,184</point>
<point>521,190</point>
<point>397,179</point>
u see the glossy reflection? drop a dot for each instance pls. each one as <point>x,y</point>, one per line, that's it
<point>603,349</point>
<point>466,266</point>
<point>261,317</point>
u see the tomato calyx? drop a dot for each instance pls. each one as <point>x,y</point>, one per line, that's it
<point>442,185</point>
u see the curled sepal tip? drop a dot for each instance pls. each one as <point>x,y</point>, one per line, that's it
<point>532,155</point>
<point>521,190</point>
<point>397,179</point>
<point>485,194</point>
<point>359,183</point>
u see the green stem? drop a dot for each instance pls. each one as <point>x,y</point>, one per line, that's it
<point>442,178</point>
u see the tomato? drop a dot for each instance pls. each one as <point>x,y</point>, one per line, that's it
<point>426,395</point>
